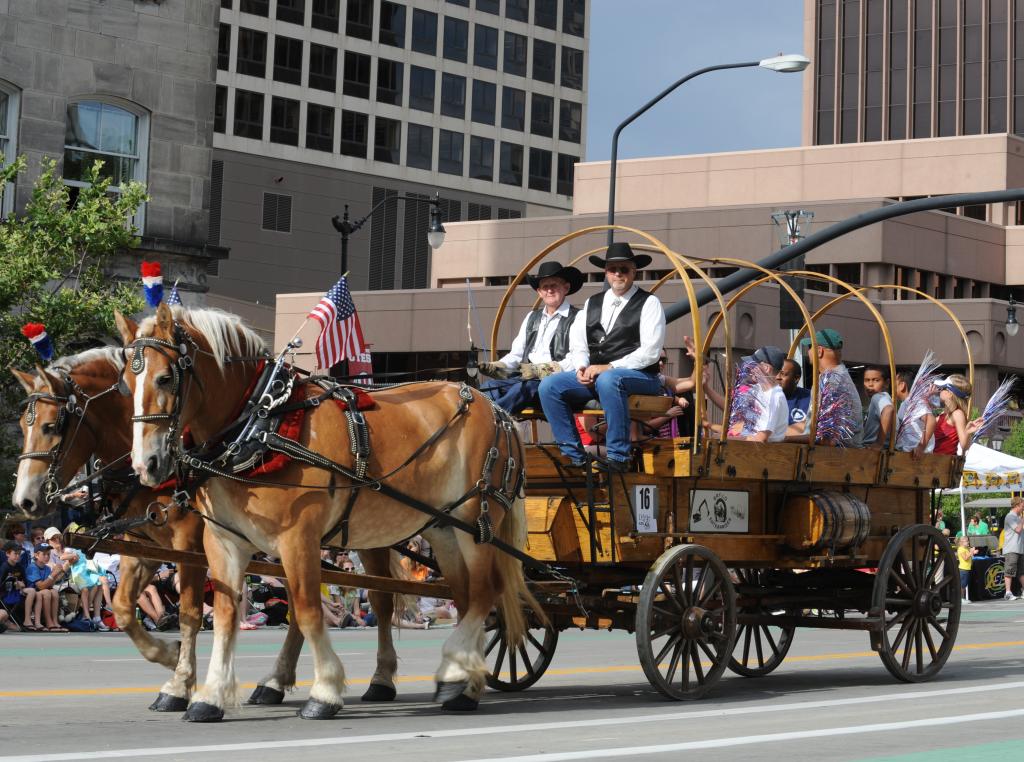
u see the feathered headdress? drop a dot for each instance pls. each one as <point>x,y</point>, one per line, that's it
<point>997,405</point>
<point>747,403</point>
<point>837,415</point>
<point>916,404</point>
<point>152,283</point>
<point>36,333</point>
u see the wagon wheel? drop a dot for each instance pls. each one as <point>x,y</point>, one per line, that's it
<point>524,664</point>
<point>760,648</point>
<point>917,594</point>
<point>686,615</point>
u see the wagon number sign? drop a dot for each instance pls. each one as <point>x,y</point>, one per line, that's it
<point>715,510</point>
<point>645,503</point>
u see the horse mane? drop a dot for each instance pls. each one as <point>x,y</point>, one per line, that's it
<point>224,331</point>
<point>112,355</point>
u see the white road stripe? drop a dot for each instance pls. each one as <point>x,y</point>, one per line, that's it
<point>246,656</point>
<point>741,710</point>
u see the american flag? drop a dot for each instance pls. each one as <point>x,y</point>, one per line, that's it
<point>341,336</point>
<point>175,297</point>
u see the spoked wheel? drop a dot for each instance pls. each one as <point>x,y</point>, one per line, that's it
<point>516,669</point>
<point>917,593</point>
<point>686,622</point>
<point>760,648</point>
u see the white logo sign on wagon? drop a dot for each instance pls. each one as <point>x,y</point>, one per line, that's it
<point>716,510</point>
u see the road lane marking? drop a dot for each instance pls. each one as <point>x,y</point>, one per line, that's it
<point>241,656</point>
<point>744,710</point>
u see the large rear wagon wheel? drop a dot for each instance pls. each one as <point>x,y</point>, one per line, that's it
<point>917,593</point>
<point>516,669</point>
<point>760,648</point>
<point>686,622</point>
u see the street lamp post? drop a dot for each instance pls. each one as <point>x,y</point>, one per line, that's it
<point>786,63</point>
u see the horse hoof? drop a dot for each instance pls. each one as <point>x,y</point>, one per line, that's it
<point>447,691</point>
<point>165,702</point>
<point>200,711</point>
<point>379,693</point>
<point>318,710</point>
<point>266,696</point>
<point>461,703</point>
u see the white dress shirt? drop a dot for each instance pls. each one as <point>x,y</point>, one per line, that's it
<point>652,331</point>
<point>541,351</point>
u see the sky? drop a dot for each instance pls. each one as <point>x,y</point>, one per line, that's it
<point>640,47</point>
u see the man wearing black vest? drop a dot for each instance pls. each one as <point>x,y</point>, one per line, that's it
<point>614,346</point>
<point>542,345</point>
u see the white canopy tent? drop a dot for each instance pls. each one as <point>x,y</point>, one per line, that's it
<point>988,470</point>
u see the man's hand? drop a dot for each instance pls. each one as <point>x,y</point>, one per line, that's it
<point>590,374</point>
<point>494,369</point>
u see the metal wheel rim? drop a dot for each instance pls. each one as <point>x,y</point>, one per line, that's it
<point>525,664</point>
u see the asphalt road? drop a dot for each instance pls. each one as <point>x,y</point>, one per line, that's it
<point>84,696</point>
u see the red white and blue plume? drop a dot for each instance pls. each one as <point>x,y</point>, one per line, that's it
<point>747,402</point>
<point>36,333</point>
<point>996,407</point>
<point>837,413</point>
<point>917,403</point>
<point>152,283</point>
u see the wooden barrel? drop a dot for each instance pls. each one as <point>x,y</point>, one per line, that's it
<point>824,521</point>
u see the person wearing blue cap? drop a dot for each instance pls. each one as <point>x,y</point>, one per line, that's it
<point>840,421</point>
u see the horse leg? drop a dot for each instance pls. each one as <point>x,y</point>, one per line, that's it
<point>382,685</point>
<point>175,692</point>
<point>271,689</point>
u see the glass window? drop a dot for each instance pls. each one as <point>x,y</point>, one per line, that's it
<point>570,121</point>
<point>252,53</point>
<point>225,4</point>
<point>323,67</point>
<point>511,169</point>
<point>320,127</point>
<point>354,130</point>
<point>540,170</point>
<point>359,20</point>
<point>463,3</point>
<point>94,131</point>
<point>284,121</point>
<point>574,16</point>
<point>545,13</point>
<point>456,39</point>
<point>287,60</point>
<point>566,167</point>
<point>544,61</point>
<point>292,11</point>
<point>424,32</point>
<point>484,100</point>
<point>325,15</point>
<point>542,115</point>
<point>489,6</point>
<point>387,140</point>
<point>220,112</point>
<point>515,54</point>
<point>249,114</point>
<point>421,88</point>
<point>572,68</point>
<point>513,109</point>
<point>255,7</point>
<point>392,24</point>
<point>357,75</point>
<point>224,47</point>
<point>518,10</point>
<point>481,159</point>
<point>449,152</point>
<point>390,75</point>
<point>485,46</point>
<point>419,148</point>
<point>453,95</point>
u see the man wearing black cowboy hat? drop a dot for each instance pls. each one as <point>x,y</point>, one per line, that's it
<point>542,344</point>
<point>614,346</point>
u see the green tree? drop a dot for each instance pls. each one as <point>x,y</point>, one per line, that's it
<point>56,270</point>
<point>1014,442</point>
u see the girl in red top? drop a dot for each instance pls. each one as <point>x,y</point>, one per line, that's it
<point>952,428</point>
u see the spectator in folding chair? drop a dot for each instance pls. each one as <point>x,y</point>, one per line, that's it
<point>44,579</point>
<point>14,594</point>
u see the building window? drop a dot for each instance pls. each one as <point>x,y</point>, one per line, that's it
<point>517,10</point>
<point>570,121</point>
<point>323,67</point>
<point>456,39</point>
<point>510,171</point>
<point>545,13</point>
<point>421,88</point>
<point>359,20</point>
<point>516,47</point>
<point>357,75</point>
<point>320,127</point>
<point>484,101</point>
<point>489,6</point>
<point>226,4</point>
<point>292,11</point>
<point>419,146</point>
<point>103,131</point>
<point>284,121</point>
<point>463,3</point>
<point>249,114</point>
<point>485,46</point>
<point>8,141</point>
<point>424,32</point>
<point>566,168</point>
<point>287,60</point>
<point>390,75</point>
<point>449,152</point>
<point>277,213</point>
<point>997,49</point>
<point>256,7</point>
<point>325,15</point>
<point>574,17</point>
<point>220,110</point>
<point>392,24</point>
<point>224,47</point>
<point>540,170</point>
<point>481,159</point>
<point>252,53</point>
<point>513,109</point>
<point>387,140</point>
<point>453,95</point>
<point>544,61</point>
<point>542,115</point>
<point>572,68</point>
<point>354,131</point>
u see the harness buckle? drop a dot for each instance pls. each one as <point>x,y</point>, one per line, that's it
<point>184,361</point>
<point>181,498</point>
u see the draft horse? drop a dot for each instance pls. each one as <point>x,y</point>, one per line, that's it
<point>436,444</point>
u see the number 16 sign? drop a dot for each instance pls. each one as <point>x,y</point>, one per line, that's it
<point>645,504</point>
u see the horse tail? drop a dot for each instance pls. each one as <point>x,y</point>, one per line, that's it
<point>404,603</point>
<point>514,593</point>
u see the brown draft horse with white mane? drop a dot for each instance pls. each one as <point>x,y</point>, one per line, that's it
<point>179,378</point>
<point>58,441</point>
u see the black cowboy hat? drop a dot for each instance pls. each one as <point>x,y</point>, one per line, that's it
<point>620,251</point>
<point>552,269</point>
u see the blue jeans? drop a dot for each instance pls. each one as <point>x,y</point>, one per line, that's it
<point>513,395</point>
<point>561,394</point>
